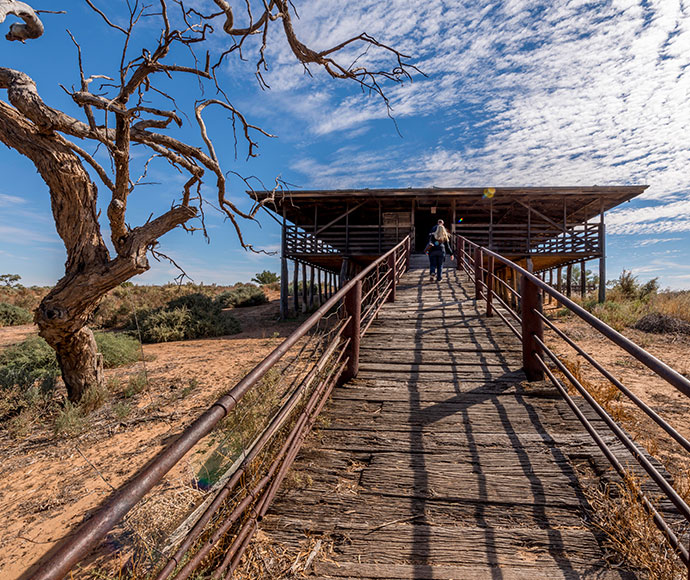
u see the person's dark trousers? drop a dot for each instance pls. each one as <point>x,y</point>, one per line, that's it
<point>436,265</point>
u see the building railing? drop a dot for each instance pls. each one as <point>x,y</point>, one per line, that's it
<point>496,284</point>
<point>534,238</point>
<point>364,239</point>
<point>300,375</point>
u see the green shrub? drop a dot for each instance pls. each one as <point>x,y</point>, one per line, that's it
<point>117,349</point>
<point>70,421</point>
<point>94,396</point>
<point>266,277</point>
<point>11,315</point>
<point>186,317</point>
<point>32,364</point>
<point>28,365</point>
<point>135,385</point>
<point>242,295</point>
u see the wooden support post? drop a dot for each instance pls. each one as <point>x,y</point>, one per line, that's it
<point>304,287</point>
<point>550,283</point>
<point>583,280</point>
<point>459,246</point>
<point>491,223</point>
<point>318,283</point>
<point>569,280</point>
<point>477,273</point>
<point>489,286</point>
<point>532,326</point>
<point>392,275</point>
<point>284,303</point>
<point>295,286</point>
<point>311,287</point>
<point>353,308</point>
<point>347,229</point>
<point>602,260</point>
<point>380,229</point>
<point>516,287</point>
<point>343,272</point>
<point>559,280</point>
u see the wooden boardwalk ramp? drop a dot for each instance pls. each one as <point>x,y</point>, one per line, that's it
<point>438,461</point>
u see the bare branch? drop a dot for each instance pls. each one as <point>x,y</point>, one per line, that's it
<point>31,28</point>
<point>105,18</point>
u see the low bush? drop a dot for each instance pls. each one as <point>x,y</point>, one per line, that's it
<point>266,277</point>
<point>70,421</point>
<point>620,314</point>
<point>31,364</point>
<point>187,317</point>
<point>117,349</point>
<point>242,295</point>
<point>11,315</point>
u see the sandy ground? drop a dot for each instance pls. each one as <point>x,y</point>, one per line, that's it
<point>670,404</point>
<point>48,484</point>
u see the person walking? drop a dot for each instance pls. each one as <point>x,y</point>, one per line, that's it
<point>436,248</point>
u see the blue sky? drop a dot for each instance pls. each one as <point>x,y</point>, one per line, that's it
<point>516,93</point>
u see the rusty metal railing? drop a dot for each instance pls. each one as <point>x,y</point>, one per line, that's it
<point>302,370</point>
<point>515,295</point>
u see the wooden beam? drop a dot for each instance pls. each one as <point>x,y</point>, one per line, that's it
<point>341,216</point>
<point>541,215</point>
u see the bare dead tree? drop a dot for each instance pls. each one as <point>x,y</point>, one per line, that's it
<point>119,115</point>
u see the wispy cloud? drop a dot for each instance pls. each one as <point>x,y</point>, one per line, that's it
<point>654,241</point>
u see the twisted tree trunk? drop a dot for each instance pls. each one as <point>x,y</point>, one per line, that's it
<point>63,315</point>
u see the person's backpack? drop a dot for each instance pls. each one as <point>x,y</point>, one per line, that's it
<point>432,243</point>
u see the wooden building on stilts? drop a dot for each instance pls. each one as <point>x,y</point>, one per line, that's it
<point>327,236</point>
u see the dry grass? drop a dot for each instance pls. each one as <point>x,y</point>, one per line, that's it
<point>675,304</point>
<point>266,558</point>
<point>604,392</point>
<point>630,531</point>
<point>617,509</point>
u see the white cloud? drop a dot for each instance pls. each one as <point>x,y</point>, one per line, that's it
<point>10,200</point>
<point>585,93</point>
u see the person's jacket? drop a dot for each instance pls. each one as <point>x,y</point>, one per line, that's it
<point>436,248</point>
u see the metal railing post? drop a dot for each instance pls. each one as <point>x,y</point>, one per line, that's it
<point>532,329</point>
<point>477,273</point>
<point>353,308</point>
<point>392,267</point>
<point>489,286</point>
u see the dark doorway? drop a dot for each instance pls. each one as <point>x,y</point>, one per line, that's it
<point>424,220</point>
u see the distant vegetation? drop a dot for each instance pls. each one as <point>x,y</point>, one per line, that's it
<point>11,315</point>
<point>116,309</point>
<point>632,304</point>
<point>241,296</point>
<point>266,277</point>
<point>187,317</point>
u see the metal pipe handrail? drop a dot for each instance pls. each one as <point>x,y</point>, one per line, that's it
<point>660,368</point>
<point>114,508</point>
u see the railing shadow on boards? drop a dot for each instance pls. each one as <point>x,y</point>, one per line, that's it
<point>289,387</point>
<point>522,311</point>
